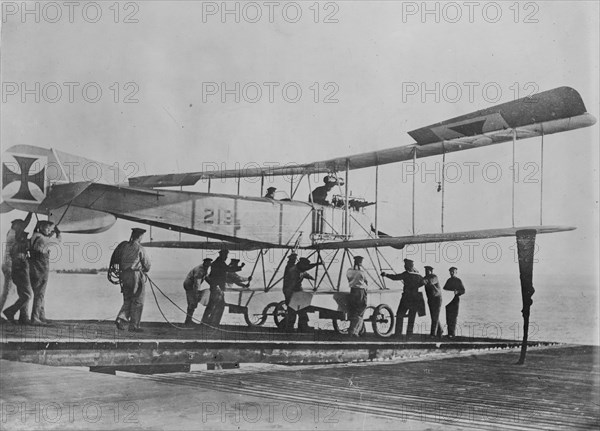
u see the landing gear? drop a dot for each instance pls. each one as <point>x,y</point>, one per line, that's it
<point>341,326</point>
<point>280,314</point>
<point>255,319</point>
<point>383,320</point>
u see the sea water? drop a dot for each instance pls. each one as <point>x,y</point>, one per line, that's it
<point>565,306</point>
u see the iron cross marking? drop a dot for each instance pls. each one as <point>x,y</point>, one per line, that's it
<point>10,176</point>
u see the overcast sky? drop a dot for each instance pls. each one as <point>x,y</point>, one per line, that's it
<point>373,60</point>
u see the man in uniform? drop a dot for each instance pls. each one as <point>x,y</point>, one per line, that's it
<point>20,276</point>
<point>39,268</point>
<point>217,280</point>
<point>292,259</point>
<point>192,286</point>
<point>434,301</point>
<point>234,278</point>
<point>357,304</point>
<point>17,226</point>
<point>288,281</point>
<point>292,282</point>
<point>271,193</point>
<point>319,195</point>
<point>455,285</point>
<point>412,300</point>
<point>134,263</point>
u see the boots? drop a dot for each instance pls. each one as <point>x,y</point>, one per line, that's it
<point>188,317</point>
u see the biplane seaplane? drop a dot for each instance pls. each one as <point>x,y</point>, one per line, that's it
<point>57,184</point>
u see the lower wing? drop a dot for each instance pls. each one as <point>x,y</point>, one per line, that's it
<point>401,241</point>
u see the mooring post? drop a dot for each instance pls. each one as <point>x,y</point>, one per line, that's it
<point>525,251</point>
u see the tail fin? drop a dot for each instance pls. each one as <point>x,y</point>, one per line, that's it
<point>44,181</point>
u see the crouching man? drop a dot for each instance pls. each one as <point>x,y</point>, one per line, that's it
<point>195,293</point>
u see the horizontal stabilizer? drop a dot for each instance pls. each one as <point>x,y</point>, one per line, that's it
<point>61,194</point>
<point>401,241</point>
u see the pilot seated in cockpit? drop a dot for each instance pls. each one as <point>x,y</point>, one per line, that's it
<point>319,195</point>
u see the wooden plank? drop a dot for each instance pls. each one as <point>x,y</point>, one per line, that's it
<point>557,389</point>
<point>100,344</point>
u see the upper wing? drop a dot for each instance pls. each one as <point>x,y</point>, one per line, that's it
<point>401,241</point>
<point>552,111</point>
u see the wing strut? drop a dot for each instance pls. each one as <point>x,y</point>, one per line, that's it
<point>443,183</point>
<point>262,185</point>
<point>346,230</point>
<point>514,173</point>
<point>414,166</point>
<point>376,199</point>
<point>310,195</point>
<point>542,175</point>
<point>378,254</point>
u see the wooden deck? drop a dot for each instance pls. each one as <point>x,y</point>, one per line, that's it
<point>558,388</point>
<point>100,344</point>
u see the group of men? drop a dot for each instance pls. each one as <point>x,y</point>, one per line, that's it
<point>134,263</point>
<point>26,264</point>
<point>412,302</point>
<point>221,274</point>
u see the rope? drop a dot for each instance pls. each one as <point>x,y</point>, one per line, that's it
<point>160,309</point>
<point>154,285</point>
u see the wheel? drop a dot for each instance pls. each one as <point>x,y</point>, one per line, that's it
<point>341,326</point>
<point>368,316</point>
<point>280,314</point>
<point>383,320</point>
<point>257,319</point>
<point>269,310</point>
